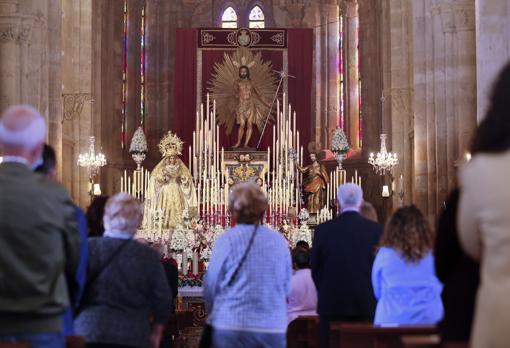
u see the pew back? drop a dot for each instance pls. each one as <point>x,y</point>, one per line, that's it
<point>366,335</point>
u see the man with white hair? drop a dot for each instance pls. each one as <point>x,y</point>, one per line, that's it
<point>39,241</point>
<point>342,256</point>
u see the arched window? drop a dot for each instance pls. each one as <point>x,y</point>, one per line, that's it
<point>229,18</point>
<point>256,18</point>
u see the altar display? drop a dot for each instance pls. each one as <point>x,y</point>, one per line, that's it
<point>186,206</point>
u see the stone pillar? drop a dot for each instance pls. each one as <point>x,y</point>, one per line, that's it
<point>15,28</point>
<point>444,96</point>
<point>352,119</point>
<point>492,47</point>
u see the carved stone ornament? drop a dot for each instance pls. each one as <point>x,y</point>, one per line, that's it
<point>400,100</point>
<point>73,105</point>
<point>15,34</point>
<point>456,17</point>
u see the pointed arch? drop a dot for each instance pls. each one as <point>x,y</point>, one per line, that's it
<point>256,18</point>
<point>229,18</point>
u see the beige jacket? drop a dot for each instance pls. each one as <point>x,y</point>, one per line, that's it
<point>484,232</point>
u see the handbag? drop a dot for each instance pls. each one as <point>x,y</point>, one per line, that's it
<point>90,280</point>
<point>206,339</point>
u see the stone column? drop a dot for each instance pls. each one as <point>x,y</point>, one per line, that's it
<point>444,95</point>
<point>15,28</point>
<point>350,11</point>
<point>492,47</point>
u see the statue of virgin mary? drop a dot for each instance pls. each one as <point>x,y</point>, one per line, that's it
<point>171,189</point>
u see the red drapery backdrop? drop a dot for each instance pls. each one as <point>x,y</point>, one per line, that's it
<point>300,55</point>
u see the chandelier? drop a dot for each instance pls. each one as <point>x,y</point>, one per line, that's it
<point>92,160</point>
<point>383,161</point>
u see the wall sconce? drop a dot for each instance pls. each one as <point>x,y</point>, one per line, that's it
<point>385,191</point>
<point>97,190</point>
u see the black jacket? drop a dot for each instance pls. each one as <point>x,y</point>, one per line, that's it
<point>342,256</point>
<point>459,274</point>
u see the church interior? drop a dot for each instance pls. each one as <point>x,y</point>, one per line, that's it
<point>175,102</point>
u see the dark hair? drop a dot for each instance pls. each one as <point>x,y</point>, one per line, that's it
<point>49,160</point>
<point>301,258</point>
<point>303,245</point>
<point>94,215</point>
<point>409,233</point>
<point>247,71</point>
<point>493,134</point>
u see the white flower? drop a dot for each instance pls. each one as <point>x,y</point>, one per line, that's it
<point>339,143</point>
<point>138,142</point>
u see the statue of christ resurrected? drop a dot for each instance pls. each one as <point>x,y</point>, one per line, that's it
<point>242,85</point>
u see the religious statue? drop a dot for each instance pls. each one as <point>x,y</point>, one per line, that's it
<point>243,85</point>
<point>315,181</point>
<point>171,188</point>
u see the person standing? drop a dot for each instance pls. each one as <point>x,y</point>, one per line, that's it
<point>405,284</point>
<point>342,255</point>
<point>39,239</point>
<point>459,274</point>
<point>76,285</point>
<point>127,300</point>
<point>302,299</point>
<point>484,218</point>
<point>248,278</point>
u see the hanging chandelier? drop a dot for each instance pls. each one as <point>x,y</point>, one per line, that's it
<point>92,160</point>
<point>383,161</point>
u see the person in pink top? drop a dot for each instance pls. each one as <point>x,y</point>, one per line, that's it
<point>302,299</point>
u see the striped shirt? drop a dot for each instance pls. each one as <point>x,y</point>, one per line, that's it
<point>257,298</point>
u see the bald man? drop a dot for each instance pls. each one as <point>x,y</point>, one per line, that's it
<point>39,241</point>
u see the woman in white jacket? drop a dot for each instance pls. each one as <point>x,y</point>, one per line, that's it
<point>484,218</point>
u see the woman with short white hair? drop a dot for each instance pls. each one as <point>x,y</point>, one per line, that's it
<point>127,300</point>
<point>248,278</point>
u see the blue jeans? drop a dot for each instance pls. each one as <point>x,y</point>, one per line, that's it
<point>41,340</point>
<point>247,339</point>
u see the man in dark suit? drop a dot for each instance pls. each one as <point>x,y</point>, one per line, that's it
<point>342,255</point>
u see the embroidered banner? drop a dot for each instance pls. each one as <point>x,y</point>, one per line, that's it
<point>233,38</point>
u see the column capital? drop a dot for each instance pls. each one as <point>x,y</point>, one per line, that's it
<point>349,8</point>
<point>16,28</point>
<point>456,17</point>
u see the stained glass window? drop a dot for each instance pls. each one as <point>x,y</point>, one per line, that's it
<point>341,90</point>
<point>256,18</point>
<point>229,18</point>
<point>142,70</point>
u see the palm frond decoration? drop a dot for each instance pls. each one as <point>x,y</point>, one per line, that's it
<point>221,86</point>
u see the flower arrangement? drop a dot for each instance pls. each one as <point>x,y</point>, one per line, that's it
<point>191,279</point>
<point>302,233</point>
<point>339,143</point>
<point>179,241</point>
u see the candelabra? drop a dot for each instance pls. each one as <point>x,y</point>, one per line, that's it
<point>383,161</point>
<point>92,161</point>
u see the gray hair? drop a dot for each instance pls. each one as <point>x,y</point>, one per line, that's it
<point>122,213</point>
<point>22,126</point>
<point>350,196</point>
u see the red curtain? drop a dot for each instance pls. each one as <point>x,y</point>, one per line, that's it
<point>300,53</point>
<point>185,87</point>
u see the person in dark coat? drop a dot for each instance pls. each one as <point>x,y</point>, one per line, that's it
<point>458,273</point>
<point>342,255</point>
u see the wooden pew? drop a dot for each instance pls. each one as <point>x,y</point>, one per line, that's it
<point>15,345</point>
<point>75,342</point>
<point>303,332</point>
<point>366,335</point>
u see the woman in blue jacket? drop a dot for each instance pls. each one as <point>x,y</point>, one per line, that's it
<point>403,277</point>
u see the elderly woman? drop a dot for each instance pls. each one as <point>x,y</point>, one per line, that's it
<point>248,278</point>
<point>127,299</point>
